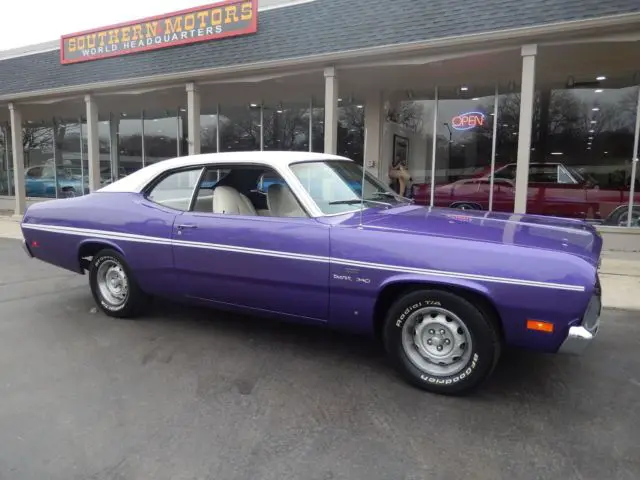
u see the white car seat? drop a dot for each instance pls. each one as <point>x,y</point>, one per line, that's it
<point>229,201</point>
<point>282,203</point>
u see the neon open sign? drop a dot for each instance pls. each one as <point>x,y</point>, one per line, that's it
<point>468,120</point>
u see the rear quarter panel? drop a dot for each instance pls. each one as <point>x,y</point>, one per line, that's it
<point>518,281</point>
<point>126,222</point>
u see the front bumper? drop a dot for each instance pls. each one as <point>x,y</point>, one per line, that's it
<point>580,336</point>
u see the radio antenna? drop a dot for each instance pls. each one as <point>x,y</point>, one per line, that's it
<point>364,170</point>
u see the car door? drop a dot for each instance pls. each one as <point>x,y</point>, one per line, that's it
<point>244,257</point>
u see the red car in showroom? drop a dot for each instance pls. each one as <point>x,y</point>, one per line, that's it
<point>554,189</point>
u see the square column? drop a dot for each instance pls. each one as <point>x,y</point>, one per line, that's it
<point>18,159</point>
<point>93,143</point>
<point>373,127</point>
<point>526,126</point>
<point>193,118</point>
<point>114,145</point>
<point>330,111</point>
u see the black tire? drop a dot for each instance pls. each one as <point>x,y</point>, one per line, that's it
<point>466,206</point>
<point>482,356</point>
<point>135,301</point>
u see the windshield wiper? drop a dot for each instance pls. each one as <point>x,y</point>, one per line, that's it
<point>354,201</point>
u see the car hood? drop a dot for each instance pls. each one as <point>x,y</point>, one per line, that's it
<point>532,231</point>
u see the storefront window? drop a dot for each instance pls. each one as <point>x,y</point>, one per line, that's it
<point>6,164</point>
<point>317,128</point>
<point>39,171</point>
<point>461,168</point>
<point>240,128</point>
<point>68,157</point>
<point>407,147</point>
<point>582,151</point>
<point>162,135</point>
<point>286,127</point>
<point>209,129</point>
<point>351,130</point>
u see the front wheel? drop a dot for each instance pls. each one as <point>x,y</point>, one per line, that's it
<point>113,286</point>
<point>440,342</point>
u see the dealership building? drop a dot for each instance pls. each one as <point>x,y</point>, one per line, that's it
<point>494,105</point>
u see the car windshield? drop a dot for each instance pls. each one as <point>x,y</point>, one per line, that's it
<point>336,186</point>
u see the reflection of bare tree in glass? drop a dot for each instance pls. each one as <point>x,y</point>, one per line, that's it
<point>209,139</point>
<point>240,133</point>
<point>408,114</point>
<point>36,138</point>
<point>286,129</point>
<point>351,132</point>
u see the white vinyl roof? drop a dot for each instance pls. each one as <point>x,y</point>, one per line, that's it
<point>135,182</point>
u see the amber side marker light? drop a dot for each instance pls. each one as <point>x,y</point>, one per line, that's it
<point>540,326</point>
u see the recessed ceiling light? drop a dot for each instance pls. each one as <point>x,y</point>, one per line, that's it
<point>464,89</point>
<point>253,105</point>
<point>606,153</point>
<point>593,121</point>
<point>601,78</point>
<point>598,90</point>
<point>588,148</point>
<point>360,106</point>
<point>475,99</point>
<point>556,153</point>
<point>592,131</point>
<point>595,109</point>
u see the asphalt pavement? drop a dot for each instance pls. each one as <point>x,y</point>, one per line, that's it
<point>192,394</point>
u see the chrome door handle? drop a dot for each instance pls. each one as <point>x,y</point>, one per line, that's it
<point>187,225</point>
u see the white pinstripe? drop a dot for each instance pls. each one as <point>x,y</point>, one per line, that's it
<point>128,237</point>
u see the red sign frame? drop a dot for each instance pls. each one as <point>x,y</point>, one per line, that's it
<point>251,28</point>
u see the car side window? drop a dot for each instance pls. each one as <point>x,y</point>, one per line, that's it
<point>204,194</point>
<point>543,174</point>
<point>508,172</point>
<point>176,189</point>
<point>35,172</point>
<point>247,190</point>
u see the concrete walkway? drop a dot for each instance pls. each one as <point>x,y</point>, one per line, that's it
<point>619,274</point>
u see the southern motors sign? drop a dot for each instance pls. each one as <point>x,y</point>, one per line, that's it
<point>468,120</point>
<point>211,22</point>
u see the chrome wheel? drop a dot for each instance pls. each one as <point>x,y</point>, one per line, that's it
<point>112,283</point>
<point>436,341</point>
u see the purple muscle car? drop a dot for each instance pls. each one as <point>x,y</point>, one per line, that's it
<point>444,290</point>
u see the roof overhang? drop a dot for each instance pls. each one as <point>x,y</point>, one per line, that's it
<point>560,32</point>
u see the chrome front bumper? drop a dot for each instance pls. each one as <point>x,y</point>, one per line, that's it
<point>580,336</point>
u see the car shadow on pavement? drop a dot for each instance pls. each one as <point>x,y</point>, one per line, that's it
<point>517,371</point>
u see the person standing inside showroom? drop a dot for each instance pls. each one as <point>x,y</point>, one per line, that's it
<point>398,172</point>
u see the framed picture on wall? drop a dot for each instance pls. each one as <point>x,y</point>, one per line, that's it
<point>400,151</point>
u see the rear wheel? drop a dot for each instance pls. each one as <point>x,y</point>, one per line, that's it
<point>113,286</point>
<point>440,342</point>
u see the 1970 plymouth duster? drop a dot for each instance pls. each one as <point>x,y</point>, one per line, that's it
<point>444,290</point>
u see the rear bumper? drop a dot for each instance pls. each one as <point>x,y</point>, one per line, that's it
<point>580,336</point>
<point>25,247</point>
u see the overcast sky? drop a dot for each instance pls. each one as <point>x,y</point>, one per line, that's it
<point>26,22</point>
